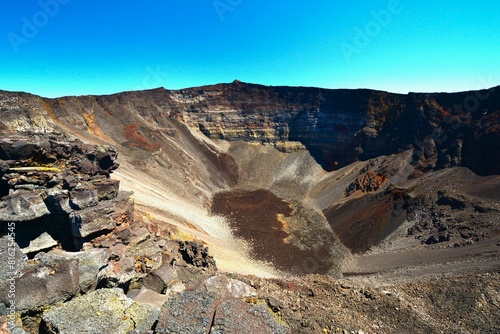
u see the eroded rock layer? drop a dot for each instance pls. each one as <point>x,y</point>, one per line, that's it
<point>276,181</point>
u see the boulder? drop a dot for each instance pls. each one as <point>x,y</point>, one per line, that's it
<point>12,149</point>
<point>12,259</point>
<point>92,220</point>
<point>83,198</point>
<point>43,242</point>
<point>57,202</point>
<point>22,206</point>
<point>90,263</point>
<point>107,189</point>
<point>161,279</point>
<point>70,182</point>
<point>117,273</point>
<point>193,252</point>
<point>148,253</point>
<point>124,207</point>
<point>50,279</point>
<point>42,233</point>
<point>226,286</point>
<point>206,312</point>
<point>101,311</point>
<point>124,234</point>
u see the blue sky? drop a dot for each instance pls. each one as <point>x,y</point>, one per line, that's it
<point>75,47</point>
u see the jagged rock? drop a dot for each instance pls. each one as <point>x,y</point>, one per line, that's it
<point>92,220</point>
<point>117,251</point>
<point>107,189</point>
<point>429,148</point>
<point>42,233</point>
<point>223,285</point>
<point>57,202</point>
<point>124,207</point>
<point>117,273</point>
<point>22,206</point>
<point>101,311</point>
<point>193,252</point>
<point>69,182</point>
<point>148,255</point>
<point>139,235</point>
<point>433,239</point>
<point>89,264</point>
<point>124,234</point>
<point>161,278</point>
<point>12,258</point>
<point>12,149</point>
<point>43,242</point>
<point>205,312</point>
<point>50,279</point>
<point>83,198</point>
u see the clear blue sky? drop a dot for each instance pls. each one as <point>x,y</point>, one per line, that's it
<point>74,47</point>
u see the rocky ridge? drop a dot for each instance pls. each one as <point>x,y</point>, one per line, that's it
<point>402,177</point>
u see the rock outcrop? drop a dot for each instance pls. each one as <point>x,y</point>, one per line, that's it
<point>71,247</point>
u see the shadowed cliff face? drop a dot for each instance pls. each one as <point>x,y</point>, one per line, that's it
<point>339,127</point>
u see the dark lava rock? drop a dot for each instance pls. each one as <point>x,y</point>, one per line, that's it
<point>433,239</point>
<point>195,253</point>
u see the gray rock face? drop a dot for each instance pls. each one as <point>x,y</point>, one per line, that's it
<point>91,220</point>
<point>188,312</point>
<point>101,311</point>
<point>89,264</point>
<point>205,312</point>
<point>42,242</point>
<point>10,251</point>
<point>22,206</point>
<point>83,198</point>
<point>225,286</point>
<point>51,279</point>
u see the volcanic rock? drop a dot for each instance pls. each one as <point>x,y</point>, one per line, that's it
<point>101,311</point>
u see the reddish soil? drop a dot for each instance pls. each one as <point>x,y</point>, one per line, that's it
<point>137,139</point>
<point>363,223</point>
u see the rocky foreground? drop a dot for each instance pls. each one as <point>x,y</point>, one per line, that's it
<point>255,210</point>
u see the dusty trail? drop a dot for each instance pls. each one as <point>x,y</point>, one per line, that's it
<point>482,256</point>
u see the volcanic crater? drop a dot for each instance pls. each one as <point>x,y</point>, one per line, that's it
<point>292,180</point>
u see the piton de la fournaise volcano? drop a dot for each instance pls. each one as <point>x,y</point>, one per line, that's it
<point>242,208</point>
